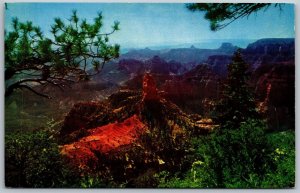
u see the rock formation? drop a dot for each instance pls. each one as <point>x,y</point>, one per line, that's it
<point>276,89</point>
<point>150,91</point>
<point>103,139</point>
<point>123,121</point>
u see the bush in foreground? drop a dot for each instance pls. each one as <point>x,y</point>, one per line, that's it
<point>240,158</point>
<point>32,159</point>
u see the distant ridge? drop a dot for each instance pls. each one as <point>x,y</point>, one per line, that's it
<point>205,44</point>
<point>272,41</point>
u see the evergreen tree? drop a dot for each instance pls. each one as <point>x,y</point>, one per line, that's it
<point>33,59</point>
<point>237,152</point>
<point>221,15</point>
<point>237,103</point>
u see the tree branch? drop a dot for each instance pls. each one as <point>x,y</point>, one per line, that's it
<point>34,91</point>
<point>11,88</point>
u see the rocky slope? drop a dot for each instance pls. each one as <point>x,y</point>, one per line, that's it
<point>124,121</point>
<point>276,89</point>
<point>194,91</point>
<point>273,65</point>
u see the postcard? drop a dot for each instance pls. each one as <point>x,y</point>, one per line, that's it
<point>149,95</point>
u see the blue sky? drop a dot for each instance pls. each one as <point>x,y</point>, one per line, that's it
<point>157,24</point>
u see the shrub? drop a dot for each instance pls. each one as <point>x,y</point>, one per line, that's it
<point>231,158</point>
<point>237,156</point>
<point>283,155</point>
<point>32,159</point>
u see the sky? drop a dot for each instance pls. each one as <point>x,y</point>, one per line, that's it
<point>158,24</point>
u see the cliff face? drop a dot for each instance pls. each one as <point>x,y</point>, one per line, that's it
<point>272,46</point>
<point>269,51</point>
<point>276,89</point>
<point>257,54</point>
<point>273,76</point>
<point>195,90</point>
<point>131,66</point>
<point>219,64</point>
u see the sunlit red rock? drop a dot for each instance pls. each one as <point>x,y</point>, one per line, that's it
<point>150,91</point>
<point>104,139</point>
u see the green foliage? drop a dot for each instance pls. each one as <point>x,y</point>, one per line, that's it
<point>32,159</point>
<point>91,182</point>
<point>237,104</point>
<point>146,180</point>
<point>283,173</point>
<point>232,156</point>
<point>170,153</point>
<point>175,182</point>
<point>76,46</point>
<point>80,40</point>
<point>221,15</point>
<point>239,159</point>
<point>170,150</point>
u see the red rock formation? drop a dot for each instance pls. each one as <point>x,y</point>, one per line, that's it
<point>103,139</point>
<point>276,91</point>
<point>86,115</point>
<point>263,106</point>
<point>150,91</point>
<point>131,114</point>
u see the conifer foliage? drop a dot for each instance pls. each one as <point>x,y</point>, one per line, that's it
<point>221,15</point>
<point>68,55</point>
<point>237,104</point>
<point>238,147</point>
